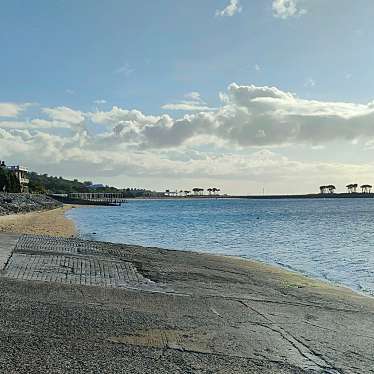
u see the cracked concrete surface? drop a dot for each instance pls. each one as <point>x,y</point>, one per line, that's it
<point>7,243</point>
<point>195,313</point>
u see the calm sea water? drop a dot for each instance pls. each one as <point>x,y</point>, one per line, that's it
<point>328,239</point>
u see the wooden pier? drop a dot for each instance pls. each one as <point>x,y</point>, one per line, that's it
<point>92,198</point>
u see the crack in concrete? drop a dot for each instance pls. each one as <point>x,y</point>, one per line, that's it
<point>304,350</point>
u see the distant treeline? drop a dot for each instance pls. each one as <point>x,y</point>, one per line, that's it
<point>8,181</point>
<point>43,183</point>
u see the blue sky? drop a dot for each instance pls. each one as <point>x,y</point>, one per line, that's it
<point>159,57</point>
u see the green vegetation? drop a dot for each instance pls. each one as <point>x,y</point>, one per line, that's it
<point>8,181</point>
<point>43,183</point>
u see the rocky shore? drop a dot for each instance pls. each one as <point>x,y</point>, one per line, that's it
<point>13,203</point>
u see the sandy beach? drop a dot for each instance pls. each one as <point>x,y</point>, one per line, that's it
<point>49,222</point>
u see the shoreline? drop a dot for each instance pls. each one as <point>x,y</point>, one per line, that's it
<point>168,310</point>
<point>46,222</point>
<point>55,223</point>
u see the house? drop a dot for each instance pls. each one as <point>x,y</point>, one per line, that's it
<point>21,173</point>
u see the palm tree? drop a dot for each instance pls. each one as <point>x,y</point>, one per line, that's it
<point>186,193</point>
<point>196,190</point>
<point>331,188</point>
<point>210,190</point>
<point>167,192</point>
<point>366,188</point>
<point>352,188</point>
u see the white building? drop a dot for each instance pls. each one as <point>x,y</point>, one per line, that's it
<point>21,173</point>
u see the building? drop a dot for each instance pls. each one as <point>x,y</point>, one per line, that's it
<point>95,186</point>
<point>21,173</point>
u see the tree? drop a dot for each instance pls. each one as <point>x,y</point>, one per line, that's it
<point>216,190</point>
<point>366,188</point>
<point>8,181</point>
<point>352,188</point>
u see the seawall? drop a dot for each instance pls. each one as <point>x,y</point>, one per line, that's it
<point>13,203</point>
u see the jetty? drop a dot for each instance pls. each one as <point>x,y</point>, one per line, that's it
<point>92,198</point>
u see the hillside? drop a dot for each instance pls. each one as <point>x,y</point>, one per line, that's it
<point>49,184</point>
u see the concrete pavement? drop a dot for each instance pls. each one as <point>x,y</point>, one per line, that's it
<point>70,306</point>
<point>7,243</point>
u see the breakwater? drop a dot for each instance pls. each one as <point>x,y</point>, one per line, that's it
<point>353,195</point>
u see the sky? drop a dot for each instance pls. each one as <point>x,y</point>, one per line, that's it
<point>248,96</point>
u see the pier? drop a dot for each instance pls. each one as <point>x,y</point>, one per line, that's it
<point>92,198</point>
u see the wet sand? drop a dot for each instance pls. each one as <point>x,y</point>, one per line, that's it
<point>50,222</point>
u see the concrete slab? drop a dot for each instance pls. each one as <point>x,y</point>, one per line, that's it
<point>70,261</point>
<point>7,244</point>
<point>224,315</point>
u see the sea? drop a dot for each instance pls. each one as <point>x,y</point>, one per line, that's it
<point>328,239</point>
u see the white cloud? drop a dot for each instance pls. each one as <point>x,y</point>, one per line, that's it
<point>12,109</point>
<point>309,83</point>
<point>227,143</point>
<point>117,115</point>
<point>194,104</point>
<point>195,96</point>
<point>100,101</point>
<point>230,10</point>
<point>287,8</point>
<point>80,156</point>
<point>126,70</point>
<point>186,106</point>
<point>250,116</point>
<point>64,114</point>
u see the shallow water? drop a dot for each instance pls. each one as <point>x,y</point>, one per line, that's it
<point>331,239</point>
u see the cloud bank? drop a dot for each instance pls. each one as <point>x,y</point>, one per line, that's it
<point>235,141</point>
<point>249,116</point>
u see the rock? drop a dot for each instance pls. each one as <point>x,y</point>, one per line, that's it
<point>11,203</point>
